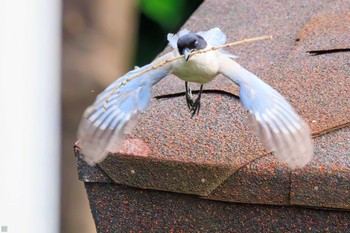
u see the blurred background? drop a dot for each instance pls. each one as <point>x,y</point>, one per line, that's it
<point>102,40</point>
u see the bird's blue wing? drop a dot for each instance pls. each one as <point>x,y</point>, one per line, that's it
<point>279,127</point>
<point>101,129</point>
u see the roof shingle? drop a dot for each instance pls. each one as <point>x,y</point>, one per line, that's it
<point>216,155</point>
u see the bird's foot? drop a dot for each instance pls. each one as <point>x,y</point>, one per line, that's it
<point>196,106</point>
<point>193,106</point>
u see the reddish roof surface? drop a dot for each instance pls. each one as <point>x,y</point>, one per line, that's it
<point>215,154</point>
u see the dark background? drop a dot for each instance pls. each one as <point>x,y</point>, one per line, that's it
<point>156,22</point>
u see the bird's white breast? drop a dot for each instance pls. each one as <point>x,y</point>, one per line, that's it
<point>200,68</point>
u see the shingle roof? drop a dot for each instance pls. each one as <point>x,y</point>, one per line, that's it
<point>216,155</point>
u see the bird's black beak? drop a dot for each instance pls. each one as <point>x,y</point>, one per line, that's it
<point>187,52</point>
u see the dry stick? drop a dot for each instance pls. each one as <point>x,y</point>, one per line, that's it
<point>181,56</point>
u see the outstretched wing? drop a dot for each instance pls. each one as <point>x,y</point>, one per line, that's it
<point>104,125</point>
<point>278,126</point>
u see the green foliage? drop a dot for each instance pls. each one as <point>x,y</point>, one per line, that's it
<point>167,13</point>
<point>157,19</point>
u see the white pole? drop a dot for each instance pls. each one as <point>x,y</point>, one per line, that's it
<point>29,115</point>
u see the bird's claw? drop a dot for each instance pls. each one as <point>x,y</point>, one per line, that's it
<point>196,106</point>
<point>193,106</point>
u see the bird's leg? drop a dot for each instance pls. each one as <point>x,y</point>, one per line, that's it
<point>196,106</point>
<point>189,98</point>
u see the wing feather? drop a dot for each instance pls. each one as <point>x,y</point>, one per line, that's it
<point>214,36</point>
<point>102,130</point>
<point>278,126</point>
<point>173,38</point>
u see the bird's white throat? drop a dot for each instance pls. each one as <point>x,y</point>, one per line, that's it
<point>200,68</point>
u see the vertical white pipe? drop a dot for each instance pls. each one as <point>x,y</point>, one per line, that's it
<point>29,115</point>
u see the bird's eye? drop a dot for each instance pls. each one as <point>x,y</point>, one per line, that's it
<point>194,43</point>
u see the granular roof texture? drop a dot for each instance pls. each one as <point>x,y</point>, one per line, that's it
<point>123,209</point>
<point>215,155</point>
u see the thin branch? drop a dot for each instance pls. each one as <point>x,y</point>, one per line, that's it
<point>181,56</point>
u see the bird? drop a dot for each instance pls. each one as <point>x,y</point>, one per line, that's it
<point>113,115</point>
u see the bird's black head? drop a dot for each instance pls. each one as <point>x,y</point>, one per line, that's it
<point>189,43</point>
